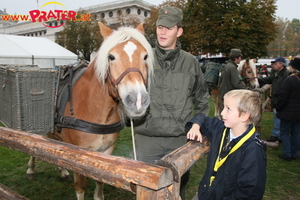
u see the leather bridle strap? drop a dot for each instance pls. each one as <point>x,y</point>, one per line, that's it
<point>89,127</point>
<point>127,71</point>
<point>244,74</point>
<point>115,83</point>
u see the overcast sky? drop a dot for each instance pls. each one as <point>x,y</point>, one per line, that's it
<point>286,8</point>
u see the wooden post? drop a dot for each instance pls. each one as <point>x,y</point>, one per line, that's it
<point>143,193</point>
<point>265,99</point>
<point>182,159</point>
<point>264,104</point>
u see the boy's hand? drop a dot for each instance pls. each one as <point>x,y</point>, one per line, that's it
<point>194,133</point>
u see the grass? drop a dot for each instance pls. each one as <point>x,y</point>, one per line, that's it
<point>283,178</point>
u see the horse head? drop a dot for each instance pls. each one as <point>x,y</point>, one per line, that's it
<point>125,61</point>
<point>248,72</point>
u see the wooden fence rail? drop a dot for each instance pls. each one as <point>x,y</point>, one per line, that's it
<point>148,181</point>
<point>8,194</point>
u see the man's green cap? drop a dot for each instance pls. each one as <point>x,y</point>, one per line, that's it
<point>235,53</point>
<point>169,17</point>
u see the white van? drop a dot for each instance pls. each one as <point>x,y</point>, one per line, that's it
<point>263,61</point>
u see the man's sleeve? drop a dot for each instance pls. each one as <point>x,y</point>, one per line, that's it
<point>237,80</point>
<point>201,95</point>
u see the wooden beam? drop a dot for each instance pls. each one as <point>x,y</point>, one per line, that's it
<point>8,194</point>
<point>113,170</point>
<point>266,87</point>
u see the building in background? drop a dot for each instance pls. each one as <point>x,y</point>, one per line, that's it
<point>110,12</point>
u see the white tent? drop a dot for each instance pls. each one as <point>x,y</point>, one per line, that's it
<point>21,50</point>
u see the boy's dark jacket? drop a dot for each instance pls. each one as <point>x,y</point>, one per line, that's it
<point>243,174</point>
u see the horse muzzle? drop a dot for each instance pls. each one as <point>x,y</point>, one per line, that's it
<point>136,104</point>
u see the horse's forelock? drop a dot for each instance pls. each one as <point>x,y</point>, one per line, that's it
<point>252,66</point>
<point>249,62</point>
<point>123,34</point>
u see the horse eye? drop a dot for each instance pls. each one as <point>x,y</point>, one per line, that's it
<point>111,57</point>
<point>145,57</point>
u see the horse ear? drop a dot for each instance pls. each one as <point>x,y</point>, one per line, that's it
<point>104,30</point>
<point>140,28</point>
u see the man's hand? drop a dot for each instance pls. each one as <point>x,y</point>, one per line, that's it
<point>259,90</point>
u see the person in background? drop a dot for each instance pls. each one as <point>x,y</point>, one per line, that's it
<point>230,77</point>
<point>236,162</point>
<point>276,80</point>
<point>288,111</point>
<point>264,70</point>
<point>177,91</point>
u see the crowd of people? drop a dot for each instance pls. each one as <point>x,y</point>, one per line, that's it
<point>287,108</point>
<point>178,112</point>
<point>285,101</point>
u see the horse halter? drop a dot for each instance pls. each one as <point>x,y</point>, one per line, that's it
<point>115,82</point>
<point>243,74</point>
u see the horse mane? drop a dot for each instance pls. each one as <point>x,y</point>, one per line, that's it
<point>121,35</point>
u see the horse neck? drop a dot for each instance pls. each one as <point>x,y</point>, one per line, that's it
<point>91,100</point>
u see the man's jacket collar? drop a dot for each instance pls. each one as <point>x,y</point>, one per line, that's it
<point>167,58</point>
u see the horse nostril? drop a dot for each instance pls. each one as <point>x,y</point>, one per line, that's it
<point>146,100</point>
<point>130,101</point>
<point>139,101</point>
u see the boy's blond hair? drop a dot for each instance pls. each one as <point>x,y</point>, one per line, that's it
<point>249,102</point>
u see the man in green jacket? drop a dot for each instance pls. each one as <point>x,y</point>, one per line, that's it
<point>230,76</point>
<point>178,90</point>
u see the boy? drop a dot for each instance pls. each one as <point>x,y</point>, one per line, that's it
<point>236,163</point>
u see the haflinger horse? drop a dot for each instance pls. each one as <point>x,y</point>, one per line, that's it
<point>247,70</point>
<point>113,85</point>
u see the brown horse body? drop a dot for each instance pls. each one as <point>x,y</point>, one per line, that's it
<point>247,71</point>
<point>114,84</point>
<point>97,107</point>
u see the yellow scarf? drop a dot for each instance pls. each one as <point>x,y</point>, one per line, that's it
<point>219,162</point>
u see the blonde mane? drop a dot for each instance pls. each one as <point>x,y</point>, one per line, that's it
<point>123,34</point>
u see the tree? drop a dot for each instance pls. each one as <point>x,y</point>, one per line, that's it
<point>287,40</point>
<point>213,26</point>
<point>277,44</point>
<point>295,24</point>
<point>293,38</point>
<point>81,37</point>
